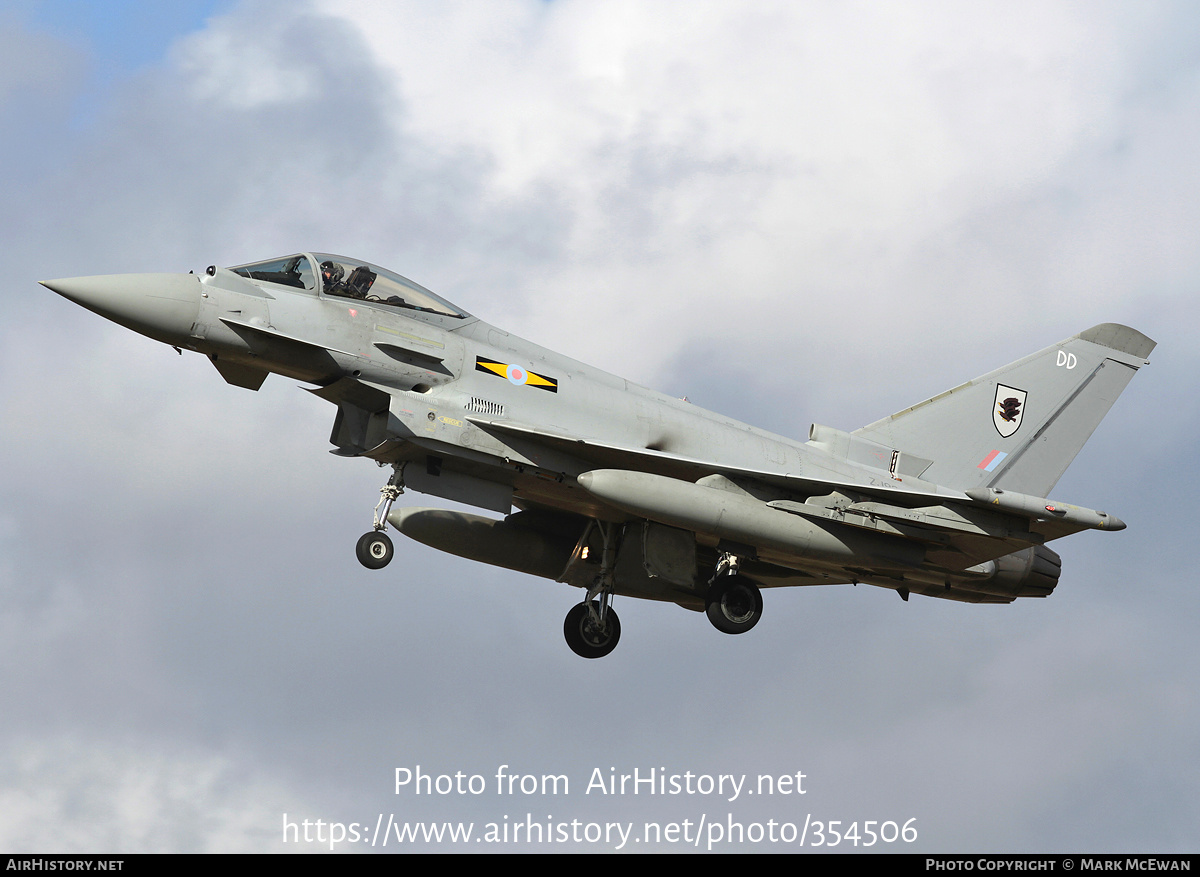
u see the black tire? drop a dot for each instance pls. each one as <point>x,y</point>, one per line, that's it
<point>374,549</point>
<point>584,638</point>
<point>734,604</point>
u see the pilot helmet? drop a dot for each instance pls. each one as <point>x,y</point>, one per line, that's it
<point>332,272</point>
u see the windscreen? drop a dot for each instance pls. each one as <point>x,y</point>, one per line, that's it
<point>293,271</point>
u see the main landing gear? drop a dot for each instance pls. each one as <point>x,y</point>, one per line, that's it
<point>592,628</point>
<point>734,603</point>
<point>375,549</point>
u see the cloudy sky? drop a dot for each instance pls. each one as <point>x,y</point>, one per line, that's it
<point>786,211</point>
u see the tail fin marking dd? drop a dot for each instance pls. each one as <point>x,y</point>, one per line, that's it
<point>1019,427</point>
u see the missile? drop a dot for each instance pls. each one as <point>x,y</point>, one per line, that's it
<point>487,540</point>
<point>1039,507</point>
<point>737,517</point>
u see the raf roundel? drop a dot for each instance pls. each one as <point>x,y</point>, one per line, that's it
<point>516,375</point>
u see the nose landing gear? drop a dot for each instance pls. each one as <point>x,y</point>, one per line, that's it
<point>374,549</point>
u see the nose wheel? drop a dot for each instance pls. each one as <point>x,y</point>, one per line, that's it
<point>374,549</point>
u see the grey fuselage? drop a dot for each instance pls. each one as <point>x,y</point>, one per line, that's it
<point>443,407</point>
<point>945,498</point>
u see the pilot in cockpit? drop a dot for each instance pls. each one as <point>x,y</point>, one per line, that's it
<point>332,275</point>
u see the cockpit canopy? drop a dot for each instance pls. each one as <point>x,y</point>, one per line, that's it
<point>348,278</point>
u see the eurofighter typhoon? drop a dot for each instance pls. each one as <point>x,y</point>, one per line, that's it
<point>616,489</point>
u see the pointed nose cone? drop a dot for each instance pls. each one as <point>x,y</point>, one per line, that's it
<point>162,306</point>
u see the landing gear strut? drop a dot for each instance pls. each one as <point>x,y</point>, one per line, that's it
<point>592,628</point>
<point>375,549</point>
<point>734,603</point>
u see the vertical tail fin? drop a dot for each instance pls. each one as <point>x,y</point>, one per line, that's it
<point>1019,427</point>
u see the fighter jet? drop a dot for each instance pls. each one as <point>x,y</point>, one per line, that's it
<point>619,490</point>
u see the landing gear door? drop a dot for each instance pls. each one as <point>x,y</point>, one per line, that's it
<point>669,554</point>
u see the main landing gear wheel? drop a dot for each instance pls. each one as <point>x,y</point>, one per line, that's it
<point>586,638</point>
<point>734,604</point>
<point>374,549</point>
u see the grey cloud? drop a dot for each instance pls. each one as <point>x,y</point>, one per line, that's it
<point>183,623</point>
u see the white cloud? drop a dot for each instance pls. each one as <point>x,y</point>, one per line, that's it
<point>783,164</point>
<point>805,210</point>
